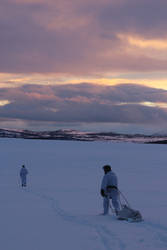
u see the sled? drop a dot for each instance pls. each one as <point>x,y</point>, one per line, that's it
<point>126,212</point>
<point>129,214</point>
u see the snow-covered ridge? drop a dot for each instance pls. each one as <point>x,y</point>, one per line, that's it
<point>82,136</point>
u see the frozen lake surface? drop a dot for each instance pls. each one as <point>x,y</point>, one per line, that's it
<point>59,208</point>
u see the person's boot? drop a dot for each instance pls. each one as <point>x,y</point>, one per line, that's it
<point>116,212</point>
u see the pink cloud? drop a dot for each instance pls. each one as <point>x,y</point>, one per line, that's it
<point>79,37</point>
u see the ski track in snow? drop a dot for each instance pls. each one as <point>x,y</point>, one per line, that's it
<point>158,230</point>
<point>111,240</point>
<point>103,233</point>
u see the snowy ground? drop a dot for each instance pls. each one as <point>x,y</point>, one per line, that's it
<point>59,208</point>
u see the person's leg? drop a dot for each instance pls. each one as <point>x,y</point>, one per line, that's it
<point>115,200</point>
<point>24,181</point>
<point>106,204</point>
<point>21,181</point>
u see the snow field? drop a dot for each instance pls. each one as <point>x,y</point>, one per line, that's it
<point>59,208</point>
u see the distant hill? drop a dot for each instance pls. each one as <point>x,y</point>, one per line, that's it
<point>82,136</point>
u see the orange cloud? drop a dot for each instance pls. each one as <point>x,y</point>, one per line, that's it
<point>4,102</point>
<point>142,42</point>
<point>146,103</point>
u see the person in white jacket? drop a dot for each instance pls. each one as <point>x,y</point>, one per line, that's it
<point>109,190</point>
<point>23,176</point>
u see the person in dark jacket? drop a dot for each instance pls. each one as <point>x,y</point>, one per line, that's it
<point>23,176</point>
<point>109,190</point>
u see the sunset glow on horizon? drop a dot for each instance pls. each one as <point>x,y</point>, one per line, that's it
<point>16,80</point>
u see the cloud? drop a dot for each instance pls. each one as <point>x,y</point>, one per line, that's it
<point>87,103</point>
<point>81,37</point>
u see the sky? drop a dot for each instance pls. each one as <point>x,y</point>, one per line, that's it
<point>86,65</point>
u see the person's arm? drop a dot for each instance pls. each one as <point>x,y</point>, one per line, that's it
<point>102,193</point>
<point>103,186</point>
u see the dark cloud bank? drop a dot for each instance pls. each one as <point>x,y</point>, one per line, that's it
<point>87,103</point>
